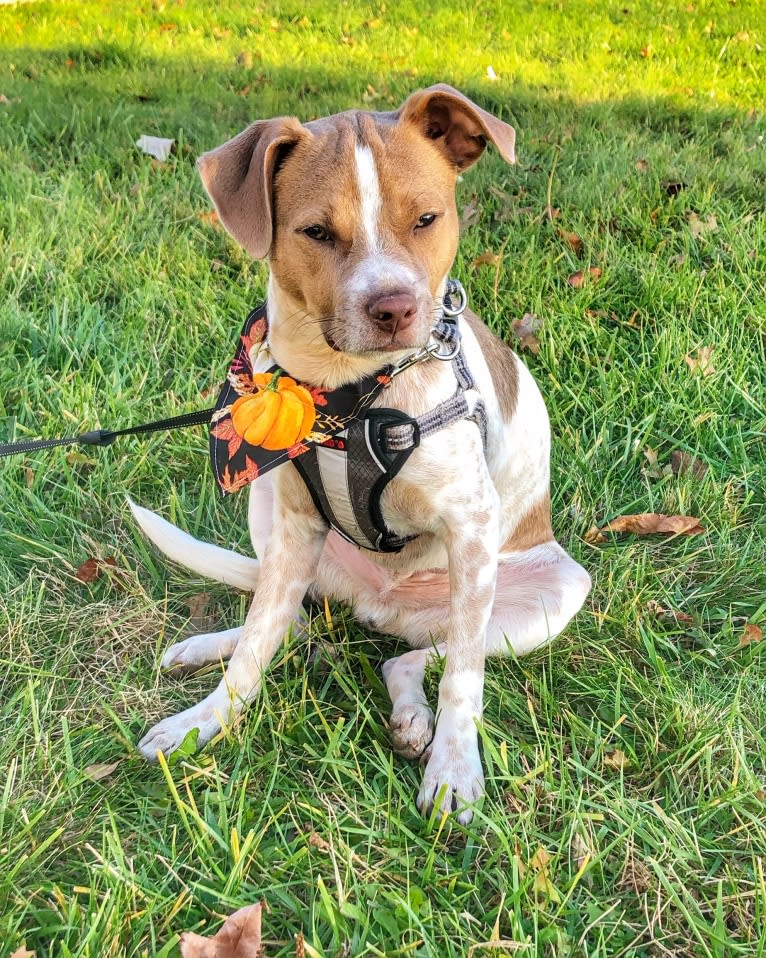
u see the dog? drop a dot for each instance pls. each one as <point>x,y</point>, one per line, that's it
<point>356,216</point>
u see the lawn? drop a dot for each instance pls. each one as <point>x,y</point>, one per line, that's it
<point>626,787</point>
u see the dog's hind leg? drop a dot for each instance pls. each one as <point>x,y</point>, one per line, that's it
<point>198,650</point>
<point>412,722</point>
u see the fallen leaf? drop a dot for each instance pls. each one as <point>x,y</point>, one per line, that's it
<point>571,239</point>
<point>751,633</point>
<point>470,214</point>
<point>245,59</point>
<point>99,771</point>
<point>553,212</point>
<point>578,280</point>
<point>238,937</point>
<point>29,476</point>
<point>702,361</point>
<point>581,850</point>
<point>486,259</point>
<point>642,166</point>
<point>89,571</point>
<point>524,330</point>
<point>157,146</point>
<point>316,841</point>
<point>199,618</point>
<point>168,27</point>
<point>684,464</point>
<point>697,226</point>
<point>646,51</point>
<point>654,470</point>
<point>646,524</point>
<point>616,759</point>
<point>542,884</point>
<point>210,218</point>
<point>654,608</point>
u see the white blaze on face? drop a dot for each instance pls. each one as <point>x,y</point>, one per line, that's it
<point>369,192</point>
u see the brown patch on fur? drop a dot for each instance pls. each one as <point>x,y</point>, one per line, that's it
<point>474,552</point>
<point>532,529</point>
<point>501,362</point>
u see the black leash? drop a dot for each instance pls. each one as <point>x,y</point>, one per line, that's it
<point>105,437</point>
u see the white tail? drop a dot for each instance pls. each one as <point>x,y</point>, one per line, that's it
<point>201,557</point>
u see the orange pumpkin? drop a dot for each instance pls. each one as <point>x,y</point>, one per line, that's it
<point>279,414</point>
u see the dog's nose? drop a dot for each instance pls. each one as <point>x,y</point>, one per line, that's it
<point>394,312</point>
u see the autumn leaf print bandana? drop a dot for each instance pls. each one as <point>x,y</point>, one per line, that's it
<point>263,417</point>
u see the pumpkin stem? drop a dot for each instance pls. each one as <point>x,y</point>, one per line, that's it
<point>275,376</point>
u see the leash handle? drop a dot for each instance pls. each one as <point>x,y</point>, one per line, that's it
<point>105,437</point>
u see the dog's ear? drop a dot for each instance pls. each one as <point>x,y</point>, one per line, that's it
<point>239,178</point>
<point>457,125</point>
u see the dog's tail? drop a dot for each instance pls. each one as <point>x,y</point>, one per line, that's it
<point>201,557</point>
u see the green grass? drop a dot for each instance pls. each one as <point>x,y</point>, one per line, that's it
<point>120,304</point>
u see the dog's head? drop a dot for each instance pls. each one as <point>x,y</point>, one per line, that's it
<point>356,214</point>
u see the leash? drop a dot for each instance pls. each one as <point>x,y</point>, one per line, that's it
<point>105,437</point>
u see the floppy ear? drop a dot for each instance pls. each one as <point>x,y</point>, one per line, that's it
<point>458,126</point>
<point>239,178</point>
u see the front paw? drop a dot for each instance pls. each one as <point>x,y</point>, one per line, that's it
<point>166,736</point>
<point>453,778</point>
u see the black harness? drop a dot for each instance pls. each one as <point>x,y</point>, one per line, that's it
<point>347,474</point>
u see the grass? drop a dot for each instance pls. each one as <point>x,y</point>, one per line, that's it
<point>624,814</point>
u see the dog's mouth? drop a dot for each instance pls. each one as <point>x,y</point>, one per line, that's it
<point>365,341</point>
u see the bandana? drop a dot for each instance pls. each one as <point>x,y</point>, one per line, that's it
<point>264,417</point>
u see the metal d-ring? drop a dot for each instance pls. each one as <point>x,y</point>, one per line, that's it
<point>433,349</point>
<point>454,286</point>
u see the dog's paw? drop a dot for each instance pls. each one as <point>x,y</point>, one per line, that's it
<point>200,650</point>
<point>411,728</point>
<point>453,779</point>
<point>167,735</point>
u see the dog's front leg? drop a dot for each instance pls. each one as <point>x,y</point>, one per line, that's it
<point>453,775</point>
<point>288,568</point>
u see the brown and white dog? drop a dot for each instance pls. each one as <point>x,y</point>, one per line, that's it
<point>356,216</point>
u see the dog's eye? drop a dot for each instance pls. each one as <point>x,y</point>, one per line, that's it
<point>425,220</point>
<point>318,233</point>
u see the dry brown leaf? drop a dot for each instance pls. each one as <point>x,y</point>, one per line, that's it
<point>524,330</point>
<point>89,571</point>
<point>99,771</point>
<point>616,759</point>
<point>581,850</point>
<point>553,212</point>
<point>642,166</point>
<point>571,239</point>
<point>578,280</point>
<point>210,218</point>
<point>317,841</point>
<point>702,361</point>
<point>470,214</point>
<point>238,937</point>
<point>200,619</point>
<point>751,633</point>
<point>654,608</point>
<point>487,259</point>
<point>646,51</point>
<point>684,464</point>
<point>646,524</point>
